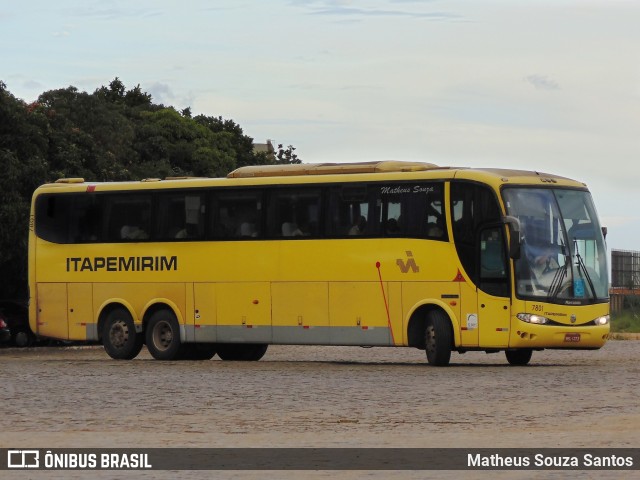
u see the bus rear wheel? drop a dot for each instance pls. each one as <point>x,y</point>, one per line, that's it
<point>163,336</point>
<point>438,338</point>
<point>519,357</point>
<point>247,352</point>
<point>119,336</point>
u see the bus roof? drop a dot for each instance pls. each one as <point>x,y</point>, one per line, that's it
<point>333,172</point>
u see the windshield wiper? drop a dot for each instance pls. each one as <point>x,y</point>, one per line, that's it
<point>583,267</point>
<point>558,278</point>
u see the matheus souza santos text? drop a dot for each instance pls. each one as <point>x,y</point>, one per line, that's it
<point>587,460</point>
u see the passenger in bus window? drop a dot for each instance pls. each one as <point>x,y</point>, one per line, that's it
<point>392,227</point>
<point>434,230</point>
<point>538,251</point>
<point>359,226</point>
<point>248,230</point>
<point>290,229</point>
<point>541,259</point>
<point>133,232</point>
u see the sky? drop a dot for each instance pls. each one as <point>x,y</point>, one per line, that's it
<point>547,85</point>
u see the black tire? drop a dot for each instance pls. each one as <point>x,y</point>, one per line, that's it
<point>519,357</point>
<point>163,336</point>
<point>198,351</point>
<point>244,352</point>
<point>23,338</point>
<point>119,335</point>
<point>438,338</point>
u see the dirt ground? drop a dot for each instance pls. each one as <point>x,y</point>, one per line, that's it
<point>301,396</point>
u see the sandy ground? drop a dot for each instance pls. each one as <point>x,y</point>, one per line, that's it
<point>321,397</point>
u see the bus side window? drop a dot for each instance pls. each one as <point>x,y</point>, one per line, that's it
<point>412,210</point>
<point>237,215</point>
<point>349,213</point>
<point>69,218</point>
<point>129,218</point>
<point>52,217</point>
<point>392,222</point>
<point>294,213</point>
<point>86,219</point>
<point>180,216</point>
<point>436,228</point>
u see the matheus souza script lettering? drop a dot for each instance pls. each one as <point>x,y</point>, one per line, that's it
<point>122,264</point>
<point>406,189</point>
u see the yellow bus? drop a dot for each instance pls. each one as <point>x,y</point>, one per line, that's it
<point>372,254</point>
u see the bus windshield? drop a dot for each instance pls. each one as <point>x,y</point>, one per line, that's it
<point>563,258</point>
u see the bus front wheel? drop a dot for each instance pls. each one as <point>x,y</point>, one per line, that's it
<point>119,335</point>
<point>438,338</point>
<point>519,357</point>
<point>163,336</point>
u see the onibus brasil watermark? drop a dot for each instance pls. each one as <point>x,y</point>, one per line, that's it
<point>33,459</point>
<point>320,459</point>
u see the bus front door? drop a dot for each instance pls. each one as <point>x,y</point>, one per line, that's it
<point>494,314</point>
<point>494,305</point>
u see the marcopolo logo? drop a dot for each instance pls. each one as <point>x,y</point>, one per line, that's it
<point>410,264</point>
<point>23,459</point>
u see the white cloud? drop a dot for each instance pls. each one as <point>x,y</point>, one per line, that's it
<point>547,85</point>
<point>542,82</point>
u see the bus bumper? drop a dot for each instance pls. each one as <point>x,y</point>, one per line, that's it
<point>526,335</point>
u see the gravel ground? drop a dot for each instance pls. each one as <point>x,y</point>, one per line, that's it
<point>301,396</point>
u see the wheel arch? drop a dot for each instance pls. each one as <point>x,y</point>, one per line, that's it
<point>417,323</point>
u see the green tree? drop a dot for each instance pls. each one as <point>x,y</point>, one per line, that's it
<point>287,155</point>
<point>23,148</point>
<point>114,133</point>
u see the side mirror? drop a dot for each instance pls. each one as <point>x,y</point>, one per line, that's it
<point>604,232</point>
<point>515,238</point>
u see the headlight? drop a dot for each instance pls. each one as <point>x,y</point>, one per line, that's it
<point>604,320</point>
<point>531,318</point>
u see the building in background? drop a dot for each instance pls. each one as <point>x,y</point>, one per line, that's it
<point>265,148</point>
<point>625,277</point>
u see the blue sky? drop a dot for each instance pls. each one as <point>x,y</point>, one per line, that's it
<point>548,85</point>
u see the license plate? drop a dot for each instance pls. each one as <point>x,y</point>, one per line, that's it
<point>572,337</point>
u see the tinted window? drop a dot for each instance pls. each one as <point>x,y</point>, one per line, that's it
<point>350,211</point>
<point>128,217</point>
<point>373,210</point>
<point>412,210</point>
<point>237,214</point>
<point>294,212</point>
<point>69,218</point>
<point>493,262</point>
<point>472,206</point>
<point>180,216</point>
<point>52,217</point>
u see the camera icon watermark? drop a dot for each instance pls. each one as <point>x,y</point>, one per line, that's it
<point>23,459</point>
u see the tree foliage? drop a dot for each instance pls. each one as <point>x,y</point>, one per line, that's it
<point>111,134</point>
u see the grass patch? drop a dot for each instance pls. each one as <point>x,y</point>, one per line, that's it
<point>627,321</point>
